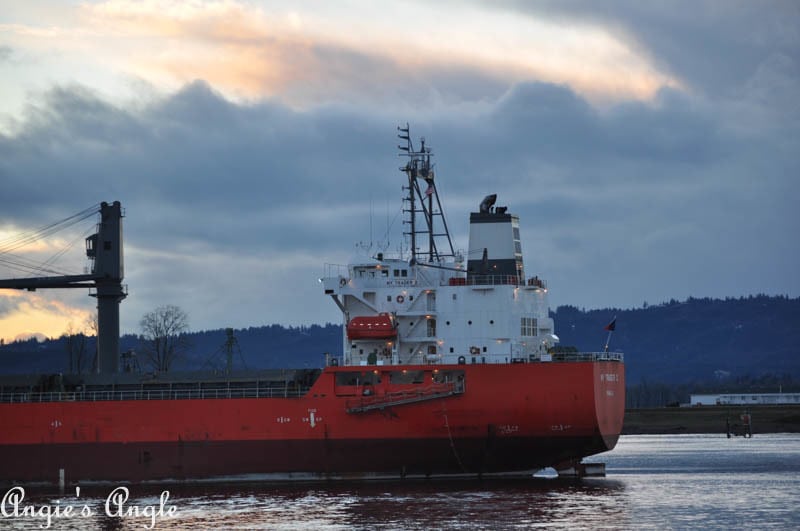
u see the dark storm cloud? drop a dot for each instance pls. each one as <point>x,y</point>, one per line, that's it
<point>193,156</point>
<point>676,195</point>
<point>232,209</point>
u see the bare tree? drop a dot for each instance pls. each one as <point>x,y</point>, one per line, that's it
<point>77,350</point>
<point>90,327</point>
<point>164,335</point>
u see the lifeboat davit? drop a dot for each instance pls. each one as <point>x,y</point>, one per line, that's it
<point>379,326</point>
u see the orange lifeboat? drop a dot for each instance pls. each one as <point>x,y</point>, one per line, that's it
<point>379,326</point>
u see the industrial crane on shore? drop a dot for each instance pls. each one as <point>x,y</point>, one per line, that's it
<point>104,248</point>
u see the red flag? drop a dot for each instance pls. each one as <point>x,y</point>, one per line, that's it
<point>611,326</point>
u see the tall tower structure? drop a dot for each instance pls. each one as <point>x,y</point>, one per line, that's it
<point>105,250</point>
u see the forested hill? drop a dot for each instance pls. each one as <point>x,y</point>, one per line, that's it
<point>697,340</point>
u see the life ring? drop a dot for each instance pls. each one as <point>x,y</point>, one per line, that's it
<point>400,299</point>
<point>342,282</point>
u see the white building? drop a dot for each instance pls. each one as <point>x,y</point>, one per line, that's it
<point>745,399</point>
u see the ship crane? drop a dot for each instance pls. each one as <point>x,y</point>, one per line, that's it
<point>104,248</point>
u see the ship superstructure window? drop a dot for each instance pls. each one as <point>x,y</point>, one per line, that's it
<point>517,246</point>
<point>397,272</point>
<point>528,326</point>
<point>431,328</point>
<point>403,272</point>
<point>431,302</point>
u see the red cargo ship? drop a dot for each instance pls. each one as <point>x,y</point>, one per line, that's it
<point>450,367</point>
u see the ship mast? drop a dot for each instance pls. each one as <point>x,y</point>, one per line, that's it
<point>419,168</point>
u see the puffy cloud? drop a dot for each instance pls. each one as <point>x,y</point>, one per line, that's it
<point>306,53</point>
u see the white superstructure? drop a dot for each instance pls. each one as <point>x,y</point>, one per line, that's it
<point>434,308</point>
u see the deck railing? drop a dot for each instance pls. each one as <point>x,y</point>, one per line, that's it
<point>165,394</point>
<point>588,356</point>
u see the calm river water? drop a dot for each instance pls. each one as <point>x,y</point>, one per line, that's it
<point>653,482</point>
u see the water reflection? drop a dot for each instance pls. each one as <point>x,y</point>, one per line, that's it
<point>408,505</point>
<point>654,482</point>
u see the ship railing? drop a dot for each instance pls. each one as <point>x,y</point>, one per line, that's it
<point>165,394</point>
<point>484,280</point>
<point>586,356</point>
<point>335,270</point>
<point>495,280</point>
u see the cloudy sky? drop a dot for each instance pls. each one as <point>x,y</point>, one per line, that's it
<point>651,149</point>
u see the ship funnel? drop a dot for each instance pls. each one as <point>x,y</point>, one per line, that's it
<point>494,246</point>
<point>488,203</point>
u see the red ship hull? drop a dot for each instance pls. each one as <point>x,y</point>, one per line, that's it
<point>494,419</point>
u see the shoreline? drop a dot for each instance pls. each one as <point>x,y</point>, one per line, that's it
<point>711,419</point>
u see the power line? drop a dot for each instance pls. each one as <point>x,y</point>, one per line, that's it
<point>28,266</point>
